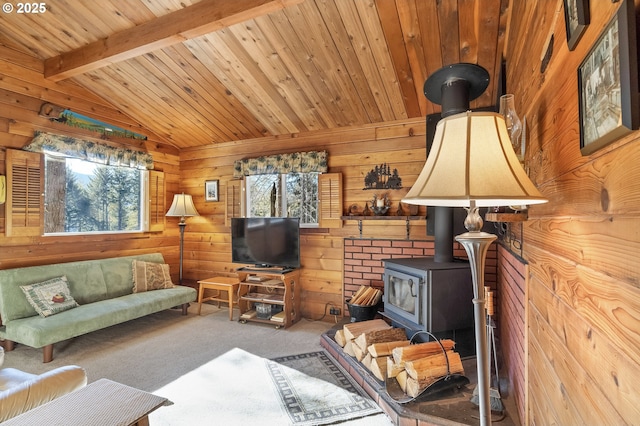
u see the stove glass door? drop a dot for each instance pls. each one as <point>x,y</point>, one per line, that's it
<point>402,294</point>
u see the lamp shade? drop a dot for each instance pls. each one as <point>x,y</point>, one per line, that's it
<point>182,206</point>
<point>472,163</point>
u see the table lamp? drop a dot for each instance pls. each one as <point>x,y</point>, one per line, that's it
<point>471,164</point>
<point>182,207</point>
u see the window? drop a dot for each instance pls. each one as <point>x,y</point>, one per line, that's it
<point>288,195</point>
<point>82,197</point>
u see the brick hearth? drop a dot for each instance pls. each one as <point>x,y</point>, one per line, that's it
<point>452,409</point>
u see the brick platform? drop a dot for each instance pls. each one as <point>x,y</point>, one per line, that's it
<point>451,409</point>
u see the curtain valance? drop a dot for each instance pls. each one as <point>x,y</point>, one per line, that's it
<point>89,151</point>
<point>297,162</point>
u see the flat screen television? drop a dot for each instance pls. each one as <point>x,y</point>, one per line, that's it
<point>266,241</point>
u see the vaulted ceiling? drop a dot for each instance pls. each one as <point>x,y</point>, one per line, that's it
<point>201,72</point>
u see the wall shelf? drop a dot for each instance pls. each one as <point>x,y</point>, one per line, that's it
<point>360,219</point>
<point>506,232</point>
<point>506,217</point>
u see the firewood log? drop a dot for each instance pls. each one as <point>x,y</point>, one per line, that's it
<point>416,385</point>
<point>368,338</point>
<point>358,293</point>
<point>420,350</point>
<point>366,361</point>
<point>358,352</point>
<point>354,329</point>
<point>393,368</point>
<point>361,299</point>
<point>348,348</point>
<point>412,388</point>
<point>339,338</point>
<point>369,297</point>
<point>433,365</point>
<point>385,348</point>
<point>379,367</point>
<point>402,380</point>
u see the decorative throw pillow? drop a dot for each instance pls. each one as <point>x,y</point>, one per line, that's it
<point>150,276</point>
<point>50,297</point>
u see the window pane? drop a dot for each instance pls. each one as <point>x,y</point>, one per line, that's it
<point>290,195</point>
<point>95,198</point>
<point>302,197</point>
<point>262,195</point>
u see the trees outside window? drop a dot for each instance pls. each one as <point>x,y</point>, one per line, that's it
<point>283,195</point>
<point>81,196</point>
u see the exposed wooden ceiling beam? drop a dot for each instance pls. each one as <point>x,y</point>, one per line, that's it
<point>201,18</point>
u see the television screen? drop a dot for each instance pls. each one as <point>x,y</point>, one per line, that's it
<point>266,241</point>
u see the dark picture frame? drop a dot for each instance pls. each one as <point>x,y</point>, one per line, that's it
<point>211,190</point>
<point>608,83</point>
<point>576,19</point>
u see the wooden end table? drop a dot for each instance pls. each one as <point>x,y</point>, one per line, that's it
<point>228,284</point>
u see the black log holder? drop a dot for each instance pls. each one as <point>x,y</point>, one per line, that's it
<point>445,383</point>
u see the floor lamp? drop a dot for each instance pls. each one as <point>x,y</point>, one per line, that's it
<point>182,207</point>
<point>471,164</point>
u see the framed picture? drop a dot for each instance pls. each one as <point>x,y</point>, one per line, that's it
<point>211,190</point>
<point>576,19</point>
<point>608,83</point>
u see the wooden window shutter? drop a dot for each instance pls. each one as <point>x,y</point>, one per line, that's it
<point>157,201</point>
<point>25,201</point>
<point>330,198</point>
<point>234,200</point>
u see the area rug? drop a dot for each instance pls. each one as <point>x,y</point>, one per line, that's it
<point>241,388</point>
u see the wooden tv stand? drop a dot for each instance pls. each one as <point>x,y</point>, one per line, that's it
<point>269,296</point>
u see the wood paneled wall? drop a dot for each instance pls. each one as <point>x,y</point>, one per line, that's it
<point>352,152</point>
<point>583,294</point>
<point>22,92</point>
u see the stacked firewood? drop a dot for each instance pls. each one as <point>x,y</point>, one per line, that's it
<point>386,353</point>
<point>366,296</point>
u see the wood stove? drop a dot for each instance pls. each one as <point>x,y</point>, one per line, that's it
<point>421,294</point>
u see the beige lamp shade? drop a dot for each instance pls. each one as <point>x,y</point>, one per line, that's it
<point>182,206</point>
<point>472,163</point>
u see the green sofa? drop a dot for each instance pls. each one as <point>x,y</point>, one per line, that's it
<point>103,289</point>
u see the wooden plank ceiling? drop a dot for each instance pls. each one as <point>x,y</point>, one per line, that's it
<point>201,72</point>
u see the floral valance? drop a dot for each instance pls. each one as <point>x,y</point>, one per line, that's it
<point>297,162</point>
<point>89,151</point>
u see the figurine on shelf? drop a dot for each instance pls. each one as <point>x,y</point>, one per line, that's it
<point>353,210</point>
<point>400,211</point>
<point>366,211</point>
<point>380,205</point>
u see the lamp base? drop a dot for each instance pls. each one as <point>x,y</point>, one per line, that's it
<point>476,245</point>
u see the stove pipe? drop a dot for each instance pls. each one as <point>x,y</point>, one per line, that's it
<point>455,99</point>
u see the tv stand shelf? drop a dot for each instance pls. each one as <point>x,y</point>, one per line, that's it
<point>265,298</point>
<point>277,292</point>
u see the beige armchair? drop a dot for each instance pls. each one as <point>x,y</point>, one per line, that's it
<point>20,391</point>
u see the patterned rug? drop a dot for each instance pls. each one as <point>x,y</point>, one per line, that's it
<point>241,388</point>
<point>300,395</point>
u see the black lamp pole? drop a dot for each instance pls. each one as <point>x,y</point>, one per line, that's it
<point>182,225</point>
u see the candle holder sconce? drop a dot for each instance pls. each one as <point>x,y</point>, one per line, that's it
<point>380,204</point>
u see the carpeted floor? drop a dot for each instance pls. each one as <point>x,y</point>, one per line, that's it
<point>153,352</point>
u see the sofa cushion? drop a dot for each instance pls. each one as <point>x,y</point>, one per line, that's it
<point>150,276</point>
<point>118,273</point>
<point>50,297</point>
